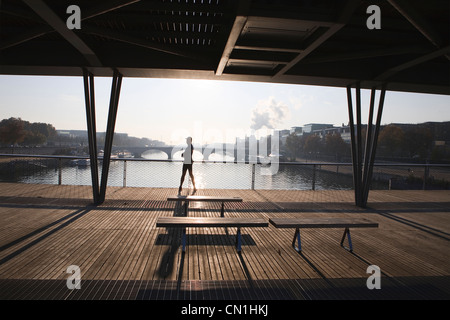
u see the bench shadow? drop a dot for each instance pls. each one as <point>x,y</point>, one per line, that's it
<point>317,270</point>
<point>173,238</point>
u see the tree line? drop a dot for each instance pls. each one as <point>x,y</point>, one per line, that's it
<point>14,131</point>
<point>423,142</point>
<point>313,146</point>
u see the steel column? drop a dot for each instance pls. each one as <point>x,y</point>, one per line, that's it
<point>373,146</point>
<point>352,141</point>
<point>113,104</point>
<point>358,143</point>
<point>92,131</point>
<point>368,150</point>
<point>362,173</point>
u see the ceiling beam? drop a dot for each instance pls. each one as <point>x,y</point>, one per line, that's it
<point>26,36</point>
<point>122,37</point>
<point>411,14</point>
<point>106,7</point>
<point>56,23</point>
<point>209,75</point>
<point>343,19</point>
<point>45,29</point>
<point>417,20</point>
<point>238,25</point>
<point>266,48</point>
<point>391,72</point>
<point>367,54</point>
<point>171,20</point>
<point>269,45</point>
<point>15,10</point>
<point>256,61</point>
<point>203,7</point>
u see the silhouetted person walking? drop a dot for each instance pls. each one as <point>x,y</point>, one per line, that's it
<point>187,164</point>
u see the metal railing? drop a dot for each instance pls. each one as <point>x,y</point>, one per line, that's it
<point>138,172</point>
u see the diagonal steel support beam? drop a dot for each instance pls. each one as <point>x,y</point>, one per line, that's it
<point>373,146</point>
<point>120,36</point>
<point>113,105</point>
<point>369,136</point>
<point>348,8</point>
<point>92,131</point>
<point>353,142</point>
<point>47,14</point>
<point>416,19</point>
<point>358,142</point>
<point>99,191</point>
<point>43,30</point>
<point>238,25</point>
<point>363,166</point>
<point>427,57</point>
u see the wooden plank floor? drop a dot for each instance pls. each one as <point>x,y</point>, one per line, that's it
<point>44,229</point>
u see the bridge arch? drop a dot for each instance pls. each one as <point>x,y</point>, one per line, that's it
<point>155,154</point>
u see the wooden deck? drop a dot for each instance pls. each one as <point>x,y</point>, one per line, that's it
<point>122,255</point>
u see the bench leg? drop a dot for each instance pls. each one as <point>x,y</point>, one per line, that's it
<point>183,240</point>
<point>299,241</point>
<point>238,240</point>
<point>222,213</point>
<point>347,234</point>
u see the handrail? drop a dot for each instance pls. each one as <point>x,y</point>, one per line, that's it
<point>377,164</point>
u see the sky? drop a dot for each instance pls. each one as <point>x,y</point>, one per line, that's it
<point>210,111</point>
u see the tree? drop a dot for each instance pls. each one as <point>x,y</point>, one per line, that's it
<point>313,144</point>
<point>418,142</point>
<point>12,131</point>
<point>336,146</point>
<point>16,130</point>
<point>294,146</point>
<point>44,129</point>
<point>391,140</point>
<point>34,138</point>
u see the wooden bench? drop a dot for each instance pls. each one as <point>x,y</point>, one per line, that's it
<point>305,223</point>
<point>193,222</point>
<point>188,199</point>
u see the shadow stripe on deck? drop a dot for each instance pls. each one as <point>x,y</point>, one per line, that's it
<point>399,288</point>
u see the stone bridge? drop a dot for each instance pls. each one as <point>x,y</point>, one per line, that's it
<point>138,151</point>
<point>170,150</point>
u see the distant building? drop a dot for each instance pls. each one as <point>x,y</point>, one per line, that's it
<point>83,134</point>
<point>319,129</point>
<point>345,134</point>
<point>296,130</point>
<point>282,135</point>
<point>311,127</point>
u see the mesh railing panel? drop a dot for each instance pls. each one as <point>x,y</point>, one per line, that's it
<point>220,175</point>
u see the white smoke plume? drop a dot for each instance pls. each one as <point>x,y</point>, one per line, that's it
<point>268,114</point>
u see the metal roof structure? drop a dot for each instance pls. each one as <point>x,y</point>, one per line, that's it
<point>397,45</point>
<point>310,42</point>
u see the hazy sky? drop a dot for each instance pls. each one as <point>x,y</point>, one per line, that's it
<point>169,110</point>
